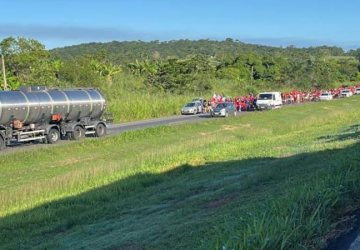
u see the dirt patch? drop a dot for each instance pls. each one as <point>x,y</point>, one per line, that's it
<point>219,202</point>
<point>280,147</point>
<point>223,127</point>
<point>71,161</point>
<point>246,125</point>
<point>229,127</point>
<point>198,190</point>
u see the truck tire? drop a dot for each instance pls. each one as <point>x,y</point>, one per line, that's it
<point>78,133</point>
<point>53,136</point>
<point>2,143</point>
<point>100,130</point>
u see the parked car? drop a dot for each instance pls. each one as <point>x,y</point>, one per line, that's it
<point>192,108</point>
<point>326,96</point>
<point>357,91</point>
<point>346,93</point>
<point>224,109</point>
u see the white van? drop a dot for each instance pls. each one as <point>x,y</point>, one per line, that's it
<point>269,100</point>
<point>346,93</point>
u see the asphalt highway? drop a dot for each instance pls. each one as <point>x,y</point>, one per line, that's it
<point>118,128</point>
<point>114,129</point>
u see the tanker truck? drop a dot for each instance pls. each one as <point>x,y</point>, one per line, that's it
<point>49,115</point>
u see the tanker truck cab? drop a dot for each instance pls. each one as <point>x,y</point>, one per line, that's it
<point>48,115</point>
<point>269,100</point>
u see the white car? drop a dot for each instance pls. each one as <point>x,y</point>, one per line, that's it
<point>357,91</point>
<point>326,96</point>
<point>192,108</point>
<point>346,93</point>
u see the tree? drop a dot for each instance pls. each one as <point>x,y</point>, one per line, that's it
<point>238,73</point>
<point>107,70</point>
<point>79,72</point>
<point>27,61</point>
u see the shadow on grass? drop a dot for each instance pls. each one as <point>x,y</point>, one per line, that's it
<point>180,208</point>
<point>353,132</point>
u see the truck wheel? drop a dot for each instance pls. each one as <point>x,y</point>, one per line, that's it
<point>2,143</point>
<point>100,130</point>
<point>53,136</point>
<point>78,133</point>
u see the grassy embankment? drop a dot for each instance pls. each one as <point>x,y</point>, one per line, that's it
<point>130,100</point>
<point>267,180</point>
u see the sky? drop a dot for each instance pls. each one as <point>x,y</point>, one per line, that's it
<point>301,23</point>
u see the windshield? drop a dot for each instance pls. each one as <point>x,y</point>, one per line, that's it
<point>345,91</point>
<point>191,104</point>
<point>265,97</point>
<point>325,94</point>
<point>221,105</point>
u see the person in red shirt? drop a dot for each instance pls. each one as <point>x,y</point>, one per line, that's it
<point>237,104</point>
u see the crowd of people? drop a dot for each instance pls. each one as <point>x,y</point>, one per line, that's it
<point>248,102</point>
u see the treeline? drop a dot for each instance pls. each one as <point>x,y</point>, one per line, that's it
<point>127,52</point>
<point>178,66</point>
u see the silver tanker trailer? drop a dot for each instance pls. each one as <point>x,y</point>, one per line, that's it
<point>48,115</point>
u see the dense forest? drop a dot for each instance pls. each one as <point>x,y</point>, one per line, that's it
<point>186,64</point>
<point>176,68</point>
<point>179,66</point>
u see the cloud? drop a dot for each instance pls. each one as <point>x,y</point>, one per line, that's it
<point>58,36</point>
<point>301,42</point>
<point>48,32</point>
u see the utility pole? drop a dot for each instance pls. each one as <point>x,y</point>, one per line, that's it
<point>3,71</point>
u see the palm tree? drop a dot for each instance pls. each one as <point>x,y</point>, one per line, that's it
<point>107,70</point>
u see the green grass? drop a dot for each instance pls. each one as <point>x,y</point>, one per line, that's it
<point>143,106</point>
<point>268,180</point>
<point>129,100</point>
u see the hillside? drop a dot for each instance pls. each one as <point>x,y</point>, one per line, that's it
<point>125,52</point>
